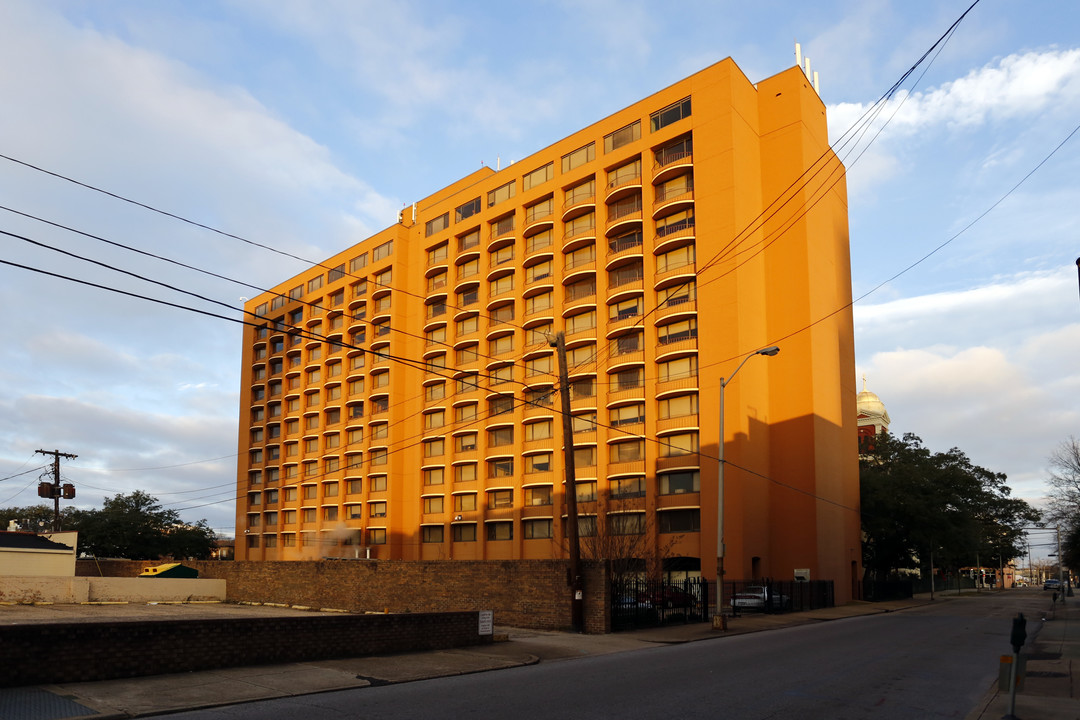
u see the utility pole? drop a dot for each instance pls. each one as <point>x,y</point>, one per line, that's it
<point>54,489</point>
<point>577,602</point>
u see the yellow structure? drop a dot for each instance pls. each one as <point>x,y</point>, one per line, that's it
<point>400,399</point>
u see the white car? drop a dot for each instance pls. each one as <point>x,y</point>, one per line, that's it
<point>757,597</point>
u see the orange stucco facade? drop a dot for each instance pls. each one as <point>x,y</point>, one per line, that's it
<point>401,399</point>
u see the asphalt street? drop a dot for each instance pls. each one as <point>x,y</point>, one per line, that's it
<point>931,662</point>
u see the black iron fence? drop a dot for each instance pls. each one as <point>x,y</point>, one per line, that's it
<point>777,596</point>
<point>881,590</point>
<point>637,603</point>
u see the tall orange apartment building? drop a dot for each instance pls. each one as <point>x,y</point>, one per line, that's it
<point>401,400</point>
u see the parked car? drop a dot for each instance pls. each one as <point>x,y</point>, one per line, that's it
<point>1052,584</point>
<point>758,597</point>
<point>668,596</point>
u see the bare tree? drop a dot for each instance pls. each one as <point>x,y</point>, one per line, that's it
<point>1064,507</point>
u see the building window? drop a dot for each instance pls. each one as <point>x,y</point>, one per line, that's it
<point>382,251</point>
<point>624,488</point>
<point>377,483</point>
<point>502,226</point>
<point>538,496</point>
<point>586,491</point>
<point>501,345</point>
<point>465,502</point>
<point>500,405</point>
<point>672,113</point>
<point>336,273</point>
<point>465,442</point>
<point>431,533</point>
<point>628,451</point>
<point>578,157</point>
<point>581,322</point>
<point>433,448</point>
<point>677,483</point>
<point>469,240</point>
<point>627,415</point>
<point>680,521</point>
<point>502,314</point>
<point>679,444</point>
<point>504,192</point>
<point>622,136</point>
<point>467,210</point>
<point>376,536</point>
<point>677,332</point>
<point>585,457</point>
<point>537,529</point>
<point>626,523</point>
<point>315,283</point>
<point>500,530</point>
<point>465,532</point>
<point>500,468</point>
<point>500,436</point>
<point>584,422</point>
<point>358,262</point>
<point>538,430</point>
<point>540,463</point>
<point>433,476</point>
<point>469,324</point>
<point>378,456</point>
<point>377,509</point>
<point>680,406</point>
<point>433,505</point>
<point>539,176</point>
<point>465,473</point>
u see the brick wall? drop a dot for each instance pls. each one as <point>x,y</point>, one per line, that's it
<point>522,593</point>
<point>80,652</point>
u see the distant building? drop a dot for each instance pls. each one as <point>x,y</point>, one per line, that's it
<point>873,419</point>
<point>400,399</point>
<point>28,554</point>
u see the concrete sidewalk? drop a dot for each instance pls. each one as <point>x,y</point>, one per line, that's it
<point>1047,691</point>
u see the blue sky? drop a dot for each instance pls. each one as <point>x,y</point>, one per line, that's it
<point>306,126</point>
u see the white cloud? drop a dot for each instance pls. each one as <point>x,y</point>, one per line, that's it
<point>990,370</point>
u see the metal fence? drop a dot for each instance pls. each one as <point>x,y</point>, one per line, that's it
<point>637,603</point>
<point>881,590</point>
<point>777,596</point>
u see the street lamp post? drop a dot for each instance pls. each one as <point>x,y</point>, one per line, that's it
<point>769,352</point>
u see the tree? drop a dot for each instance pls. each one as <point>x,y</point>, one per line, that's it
<point>1063,508</point>
<point>136,526</point>
<point>915,502</point>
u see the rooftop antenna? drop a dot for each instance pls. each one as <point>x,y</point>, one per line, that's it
<point>798,54</point>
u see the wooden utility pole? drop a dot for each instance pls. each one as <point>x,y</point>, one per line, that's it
<point>55,490</point>
<point>577,597</point>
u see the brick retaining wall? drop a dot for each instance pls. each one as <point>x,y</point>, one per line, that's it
<point>79,652</point>
<point>523,593</point>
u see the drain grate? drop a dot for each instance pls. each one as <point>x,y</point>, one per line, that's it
<point>1045,674</point>
<point>34,704</point>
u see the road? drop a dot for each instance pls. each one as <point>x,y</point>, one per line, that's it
<point>931,662</point>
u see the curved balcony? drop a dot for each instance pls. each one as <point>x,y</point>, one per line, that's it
<point>622,187</point>
<point>676,386</point>
<point>673,202</point>
<point>536,252</point>
<point>675,307</point>
<point>578,237</point>
<point>537,222</point>
<point>672,236</point>
<point>670,163</point>
<point>670,425</point>
<point>578,205</point>
<point>620,248</point>
<point>673,275</point>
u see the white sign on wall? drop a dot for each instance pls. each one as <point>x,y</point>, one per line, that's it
<point>487,622</point>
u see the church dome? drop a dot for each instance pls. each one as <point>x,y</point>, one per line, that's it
<point>871,407</point>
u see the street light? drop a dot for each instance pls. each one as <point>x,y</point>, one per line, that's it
<point>769,352</point>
